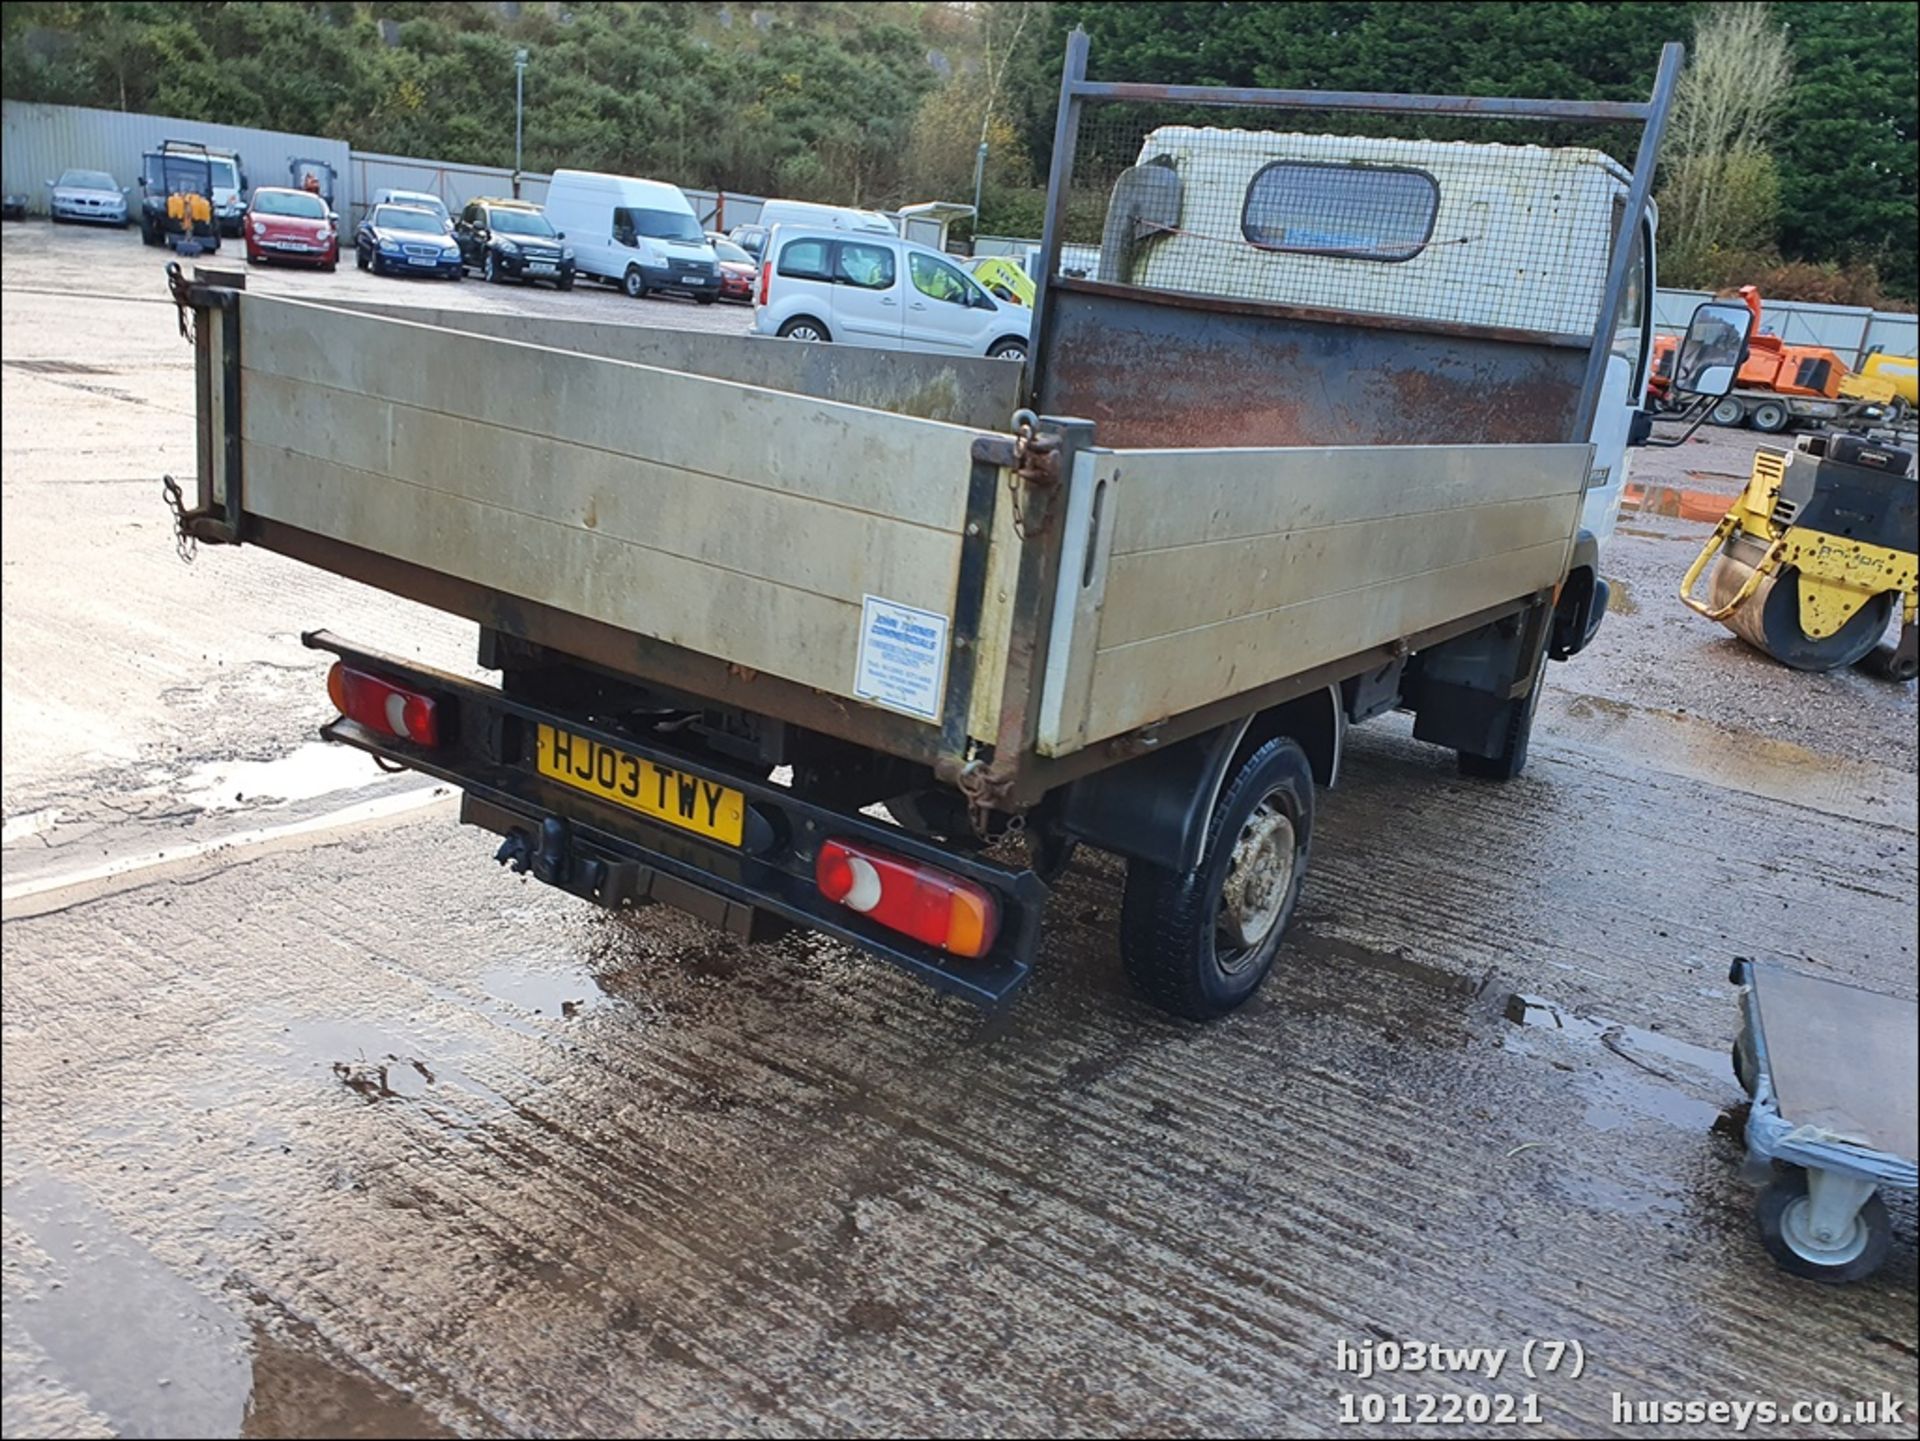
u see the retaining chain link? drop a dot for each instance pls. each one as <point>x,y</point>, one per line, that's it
<point>184,544</point>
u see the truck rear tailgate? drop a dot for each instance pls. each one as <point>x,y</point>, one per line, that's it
<point>773,532</point>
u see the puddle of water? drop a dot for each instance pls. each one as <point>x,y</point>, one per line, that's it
<point>1740,760</point>
<point>18,828</point>
<point>543,992</point>
<point>374,1065</point>
<point>1654,499</point>
<point>316,769</point>
<point>1629,1073</point>
<point>1599,1194</point>
<point>302,1392</point>
<point>1303,935</point>
<point>147,1350</point>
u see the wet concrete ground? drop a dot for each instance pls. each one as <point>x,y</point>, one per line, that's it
<point>322,1124</point>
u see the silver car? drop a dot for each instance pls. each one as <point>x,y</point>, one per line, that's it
<point>88,195</point>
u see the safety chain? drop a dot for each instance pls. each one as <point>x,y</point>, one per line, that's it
<point>183,543</point>
<point>177,284</point>
<point>1036,463</point>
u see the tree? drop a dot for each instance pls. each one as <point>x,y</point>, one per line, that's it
<point>1722,189</point>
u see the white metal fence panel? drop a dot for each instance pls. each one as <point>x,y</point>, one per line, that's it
<point>42,140</point>
<point>1851,331</point>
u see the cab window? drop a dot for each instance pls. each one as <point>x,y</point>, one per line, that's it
<point>938,280</point>
<point>624,231</point>
<point>470,216</point>
<point>1630,326</point>
<point>869,267</point>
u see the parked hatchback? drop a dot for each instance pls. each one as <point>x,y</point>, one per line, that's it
<point>738,270</point>
<point>290,225</point>
<point>511,240</point>
<point>875,290</point>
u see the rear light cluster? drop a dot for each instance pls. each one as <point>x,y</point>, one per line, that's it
<point>382,706</point>
<point>766,280</point>
<point>915,899</point>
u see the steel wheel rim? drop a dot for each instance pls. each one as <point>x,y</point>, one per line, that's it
<point>1258,880</point>
<point>1727,412</point>
<point>1796,1229</point>
<point>803,332</point>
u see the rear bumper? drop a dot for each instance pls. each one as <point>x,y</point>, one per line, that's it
<point>617,858</point>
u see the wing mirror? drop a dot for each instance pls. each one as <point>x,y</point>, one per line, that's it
<point>1715,343</point>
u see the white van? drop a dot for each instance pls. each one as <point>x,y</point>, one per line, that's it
<point>866,288</point>
<point>753,238</point>
<point>638,234</point>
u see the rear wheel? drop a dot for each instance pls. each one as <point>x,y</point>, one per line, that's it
<point>1008,350</point>
<point>634,283</point>
<point>804,327</point>
<point>1729,411</point>
<point>1771,416</point>
<point>1197,943</point>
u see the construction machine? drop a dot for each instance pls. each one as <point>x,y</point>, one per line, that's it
<point>177,197</point>
<point>1815,554</point>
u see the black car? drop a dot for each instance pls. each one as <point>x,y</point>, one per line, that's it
<point>512,240</point>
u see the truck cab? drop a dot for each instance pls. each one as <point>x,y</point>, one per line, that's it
<point>1504,247</point>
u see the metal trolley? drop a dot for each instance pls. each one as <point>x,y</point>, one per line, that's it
<point>1833,1072</point>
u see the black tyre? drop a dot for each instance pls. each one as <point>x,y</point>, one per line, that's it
<point>565,282</point>
<point>634,283</point>
<point>378,265</point>
<point>490,270</point>
<point>1784,1218</point>
<point>359,258</point>
<point>1197,943</point>
<point>805,327</point>
<point>149,234</point>
<point>1008,350</point>
<point>705,299</point>
<point>1512,759</point>
<point>1771,416</point>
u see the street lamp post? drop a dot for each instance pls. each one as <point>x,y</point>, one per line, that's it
<point>519,107</point>
<point>979,172</point>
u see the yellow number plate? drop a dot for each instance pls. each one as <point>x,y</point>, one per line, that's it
<point>704,807</point>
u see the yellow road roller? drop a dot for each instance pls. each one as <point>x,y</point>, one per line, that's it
<point>1816,553</point>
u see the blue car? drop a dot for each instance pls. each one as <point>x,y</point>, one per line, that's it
<point>402,240</point>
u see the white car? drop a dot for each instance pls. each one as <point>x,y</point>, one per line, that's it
<point>88,195</point>
<point>854,288</point>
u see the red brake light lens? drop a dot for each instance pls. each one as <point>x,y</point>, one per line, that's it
<point>911,897</point>
<point>766,280</point>
<point>382,706</point>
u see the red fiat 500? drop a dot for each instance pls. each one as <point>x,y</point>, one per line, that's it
<point>291,225</point>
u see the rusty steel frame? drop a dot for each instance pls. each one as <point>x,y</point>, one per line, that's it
<point>1077,91</point>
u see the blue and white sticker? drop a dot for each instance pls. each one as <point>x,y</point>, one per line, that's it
<point>903,657</point>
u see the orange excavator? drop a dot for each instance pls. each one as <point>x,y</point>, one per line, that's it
<point>1782,385</point>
